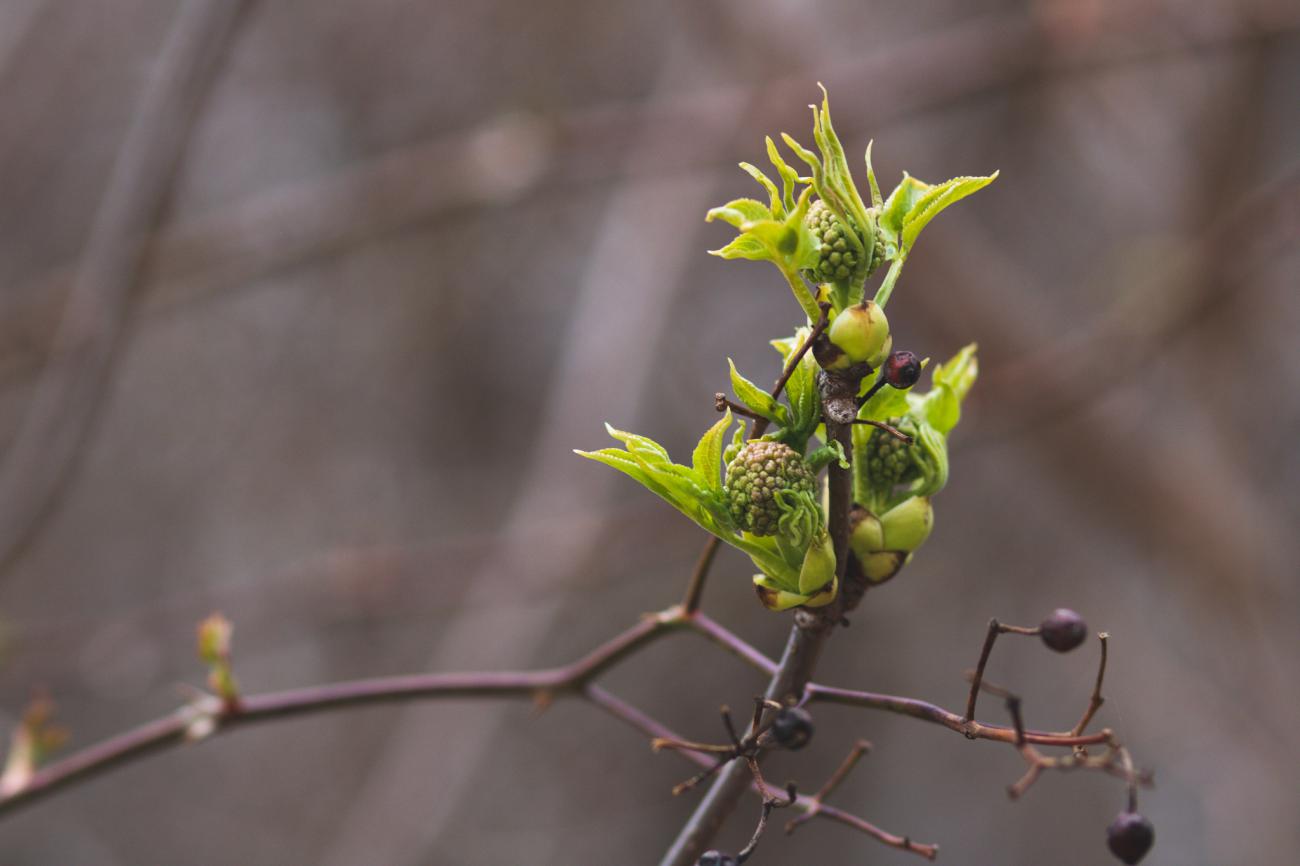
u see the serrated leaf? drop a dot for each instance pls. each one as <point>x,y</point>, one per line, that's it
<point>739,211</point>
<point>743,247</point>
<point>789,177</point>
<point>766,182</point>
<point>756,399</point>
<point>936,199</point>
<point>899,204</point>
<point>707,457</point>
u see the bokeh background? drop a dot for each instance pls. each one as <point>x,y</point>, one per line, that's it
<point>303,306</point>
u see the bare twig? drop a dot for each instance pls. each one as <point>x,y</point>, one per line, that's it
<point>995,628</point>
<point>860,748</point>
<point>1096,700</point>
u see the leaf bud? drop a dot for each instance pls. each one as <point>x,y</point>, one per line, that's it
<point>866,537</point>
<point>1063,630</point>
<point>1130,837</point>
<point>860,331</point>
<point>880,567</point>
<point>907,525</point>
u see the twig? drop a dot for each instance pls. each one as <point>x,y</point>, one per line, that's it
<point>995,628</point>
<point>1095,702</point>
<point>888,428</point>
<point>860,748</point>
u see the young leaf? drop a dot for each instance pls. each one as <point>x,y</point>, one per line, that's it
<point>936,199</point>
<point>740,211</point>
<point>707,459</point>
<point>756,399</point>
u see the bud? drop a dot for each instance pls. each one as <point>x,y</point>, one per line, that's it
<point>902,369</point>
<point>1063,630</point>
<point>838,260</point>
<point>890,460</point>
<point>878,359</point>
<point>1130,837</point>
<point>880,567</point>
<point>818,567</point>
<point>867,536</point>
<point>716,858</point>
<point>860,331</point>
<point>907,525</point>
<point>754,478</point>
<point>792,728</point>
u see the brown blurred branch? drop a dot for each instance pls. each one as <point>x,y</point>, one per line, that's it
<point>61,412</point>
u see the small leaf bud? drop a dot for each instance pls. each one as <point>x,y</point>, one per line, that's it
<point>1130,837</point>
<point>860,331</point>
<point>882,566</point>
<point>1063,630</point>
<point>907,525</point>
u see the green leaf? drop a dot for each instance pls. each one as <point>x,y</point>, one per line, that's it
<point>743,247</point>
<point>936,199</point>
<point>899,204</point>
<point>707,458</point>
<point>871,180</point>
<point>767,184</point>
<point>789,177</point>
<point>756,399</point>
<point>885,404</point>
<point>739,212</point>
<point>941,407</point>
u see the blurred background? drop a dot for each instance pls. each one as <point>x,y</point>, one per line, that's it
<point>303,307</point>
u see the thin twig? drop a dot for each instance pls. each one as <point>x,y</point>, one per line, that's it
<point>995,628</point>
<point>1095,702</point>
<point>888,428</point>
<point>860,748</point>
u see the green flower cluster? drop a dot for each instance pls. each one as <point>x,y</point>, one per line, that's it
<point>758,479</point>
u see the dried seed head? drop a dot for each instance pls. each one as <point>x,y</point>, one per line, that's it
<point>1063,630</point>
<point>1130,837</point>
<point>792,728</point>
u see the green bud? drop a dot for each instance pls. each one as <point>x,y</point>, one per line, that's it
<point>880,567</point>
<point>867,536</point>
<point>839,259</point>
<point>878,360</point>
<point>818,568</point>
<point>908,525</point>
<point>889,460</point>
<point>860,331</point>
<point>758,473</point>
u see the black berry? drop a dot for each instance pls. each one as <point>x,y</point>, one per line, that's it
<point>1064,630</point>
<point>716,858</point>
<point>792,728</point>
<point>902,369</point>
<point>1130,837</point>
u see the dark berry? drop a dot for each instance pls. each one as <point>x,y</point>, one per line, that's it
<point>792,728</point>
<point>1064,630</point>
<point>716,858</point>
<point>1130,837</point>
<point>902,369</point>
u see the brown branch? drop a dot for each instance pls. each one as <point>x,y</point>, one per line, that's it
<point>995,628</point>
<point>1095,702</point>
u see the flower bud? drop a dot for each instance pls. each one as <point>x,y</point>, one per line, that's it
<point>818,568</point>
<point>1130,837</point>
<point>860,331</point>
<point>837,259</point>
<point>716,858</point>
<point>902,369</point>
<point>756,475</point>
<point>907,525</point>
<point>1063,630</point>
<point>880,567</point>
<point>792,728</point>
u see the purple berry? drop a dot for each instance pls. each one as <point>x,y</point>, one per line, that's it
<point>792,728</point>
<point>1063,630</point>
<point>1130,837</point>
<point>902,369</point>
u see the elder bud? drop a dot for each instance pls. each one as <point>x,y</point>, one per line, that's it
<point>1130,837</point>
<point>902,369</point>
<point>792,728</point>
<point>908,524</point>
<point>860,331</point>
<point>1063,630</point>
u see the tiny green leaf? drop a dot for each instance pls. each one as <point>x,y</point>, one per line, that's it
<point>740,211</point>
<point>707,458</point>
<point>756,399</point>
